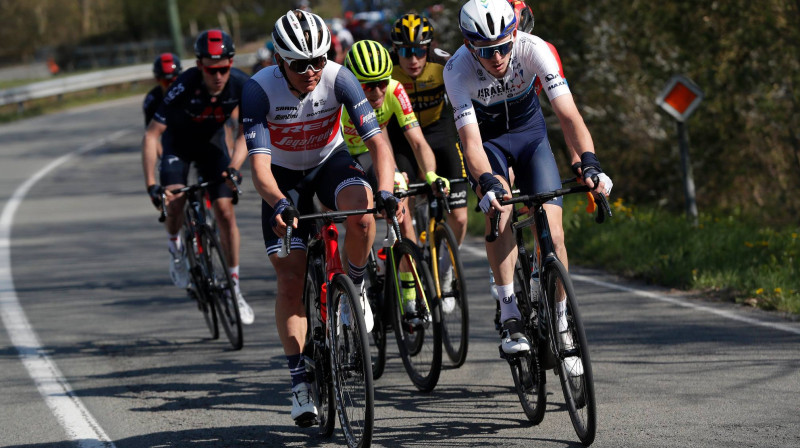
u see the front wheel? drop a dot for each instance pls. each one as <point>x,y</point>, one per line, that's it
<point>219,285</point>
<point>416,315</point>
<point>350,362</point>
<point>573,364</point>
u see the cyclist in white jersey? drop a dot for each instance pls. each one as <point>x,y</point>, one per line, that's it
<point>490,81</point>
<point>291,118</point>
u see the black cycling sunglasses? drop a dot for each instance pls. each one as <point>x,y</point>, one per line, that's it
<point>488,52</point>
<point>369,86</point>
<point>214,70</point>
<point>302,65</point>
<point>407,52</point>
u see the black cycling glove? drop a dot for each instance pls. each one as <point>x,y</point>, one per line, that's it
<point>155,191</point>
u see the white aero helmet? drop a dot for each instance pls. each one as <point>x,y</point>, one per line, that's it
<point>301,35</point>
<point>485,20</point>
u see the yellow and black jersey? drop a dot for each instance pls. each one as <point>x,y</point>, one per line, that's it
<point>427,91</point>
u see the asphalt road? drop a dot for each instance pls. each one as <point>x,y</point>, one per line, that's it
<point>120,354</point>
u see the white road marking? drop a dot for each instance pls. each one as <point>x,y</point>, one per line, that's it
<point>728,314</point>
<point>70,412</point>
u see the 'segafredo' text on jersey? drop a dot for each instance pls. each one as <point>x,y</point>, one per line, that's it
<point>301,133</point>
<point>396,103</point>
<point>499,105</point>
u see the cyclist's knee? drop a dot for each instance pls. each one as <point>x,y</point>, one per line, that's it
<point>359,225</point>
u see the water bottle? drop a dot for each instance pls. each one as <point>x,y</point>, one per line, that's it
<point>534,285</point>
<point>492,287</point>
<point>380,257</point>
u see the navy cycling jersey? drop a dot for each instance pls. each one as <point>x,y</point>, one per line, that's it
<point>191,113</point>
<point>151,103</point>
<point>510,103</point>
<point>302,133</point>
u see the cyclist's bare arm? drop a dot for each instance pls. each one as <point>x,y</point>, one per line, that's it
<point>266,186</point>
<point>474,156</point>
<point>575,131</point>
<point>422,150</point>
<point>239,147</point>
<point>150,143</point>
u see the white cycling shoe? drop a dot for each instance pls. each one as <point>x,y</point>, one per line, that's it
<point>304,413</point>
<point>513,338</point>
<point>245,312</point>
<point>573,364</point>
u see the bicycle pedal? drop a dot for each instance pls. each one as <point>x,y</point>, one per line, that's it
<point>306,422</point>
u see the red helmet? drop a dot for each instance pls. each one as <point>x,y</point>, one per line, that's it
<point>525,14</point>
<point>214,44</point>
<point>167,66</point>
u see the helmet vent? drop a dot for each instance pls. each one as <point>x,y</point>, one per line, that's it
<point>489,24</point>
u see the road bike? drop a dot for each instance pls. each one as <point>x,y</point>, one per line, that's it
<point>336,351</point>
<point>407,306</point>
<point>211,283</point>
<point>440,251</point>
<point>560,344</point>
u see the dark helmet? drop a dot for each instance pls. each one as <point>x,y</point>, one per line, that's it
<point>525,14</point>
<point>167,66</point>
<point>412,29</point>
<point>214,44</point>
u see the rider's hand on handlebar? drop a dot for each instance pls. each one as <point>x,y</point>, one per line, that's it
<point>155,191</point>
<point>390,205</point>
<point>431,177</point>
<point>283,212</point>
<point>493,191</point>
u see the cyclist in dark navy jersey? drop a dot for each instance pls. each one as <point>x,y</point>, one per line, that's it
<point>491,83</point>
<point>292,124</point>
<point>190,124</point>
<point>166,69</point>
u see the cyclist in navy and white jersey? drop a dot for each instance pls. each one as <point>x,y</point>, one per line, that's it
<point>291,117</point>
<point>490,81</point>
<point>190,124</point>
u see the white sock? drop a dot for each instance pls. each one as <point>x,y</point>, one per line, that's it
<point>235,276</point>
<point>561,313</point>
<point>175,243</point>
<point>508,302</point>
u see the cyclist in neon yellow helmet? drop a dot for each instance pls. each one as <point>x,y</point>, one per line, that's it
<point>372,65</point>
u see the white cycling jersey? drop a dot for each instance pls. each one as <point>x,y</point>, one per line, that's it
<point>301,134</point>
<point>501,105</point>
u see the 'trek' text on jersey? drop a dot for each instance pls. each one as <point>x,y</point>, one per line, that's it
<point>301,133</point>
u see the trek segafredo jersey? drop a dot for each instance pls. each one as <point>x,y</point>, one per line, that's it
<point>301,133</point>
<point>501,105</point>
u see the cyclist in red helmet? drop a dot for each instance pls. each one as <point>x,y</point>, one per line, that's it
<point>166,68</point>
<point>190,124</point>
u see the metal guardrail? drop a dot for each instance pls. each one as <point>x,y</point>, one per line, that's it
<point>68,84</point>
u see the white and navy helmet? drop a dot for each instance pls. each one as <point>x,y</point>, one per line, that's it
<point>486,20</point>
<point>292,42</point>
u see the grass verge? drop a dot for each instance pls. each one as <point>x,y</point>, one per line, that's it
<point>731,257</point>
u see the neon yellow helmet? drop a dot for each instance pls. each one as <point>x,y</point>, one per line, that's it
<point>369,61</point>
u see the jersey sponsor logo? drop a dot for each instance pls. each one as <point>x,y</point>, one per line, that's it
<point>551,76</point>
<point>493,91</point>
<point>405,101</point>
<point>370,117</point>
<point>463,115</point>
<point>309,135</point>
<point>285,116</point>
<point>558,84</point>
<point>173,93</point>
<point>250,135</point>
<point>285,108</point>
<point>210,112</point>
<point>358,104</point>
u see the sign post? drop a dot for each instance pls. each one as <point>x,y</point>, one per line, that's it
<point>680,98</point>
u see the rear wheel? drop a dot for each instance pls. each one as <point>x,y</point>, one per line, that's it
<point>220,286</point>
<point>527,370</point>
<point>455,312</point>
<point>350,362</point>
<point>573,364</point>
<point>315,349</point>
<point>417,327</point>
